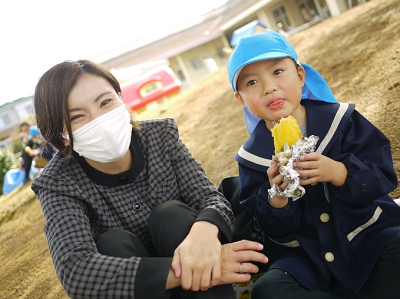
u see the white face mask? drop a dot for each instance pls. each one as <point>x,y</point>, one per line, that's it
<point>106,138</point>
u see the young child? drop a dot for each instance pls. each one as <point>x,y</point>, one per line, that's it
<point>341,239</point>
<point>32,148</point>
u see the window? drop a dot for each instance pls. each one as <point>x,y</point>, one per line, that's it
<point>281,17</point>
<point>221,53</point>
<point>6,120</point>
<point>196,63</point>
<point>150,88</point>
<point>308,10</point>
<point>180,75</point>
<point>324,9</point>
<point>29,109</point>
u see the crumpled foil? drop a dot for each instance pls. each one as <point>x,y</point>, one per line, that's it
<point>285,160</point>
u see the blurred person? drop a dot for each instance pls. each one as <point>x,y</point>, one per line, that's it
<point>31,149</point>
<point>129,212</point>
<point>23,137</point>
<point>24,128</point>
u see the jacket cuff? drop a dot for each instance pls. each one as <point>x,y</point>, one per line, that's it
<point>151,277</point>
<point>214,217</point>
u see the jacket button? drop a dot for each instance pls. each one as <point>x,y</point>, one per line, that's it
<point>329,256</point>
<point>122,178</point>
<point>324,217</point>
<point>136,206</point>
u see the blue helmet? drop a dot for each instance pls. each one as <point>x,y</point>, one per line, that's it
<point>34,131</point>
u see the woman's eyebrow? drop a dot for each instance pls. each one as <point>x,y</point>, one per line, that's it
<point>101,95</point>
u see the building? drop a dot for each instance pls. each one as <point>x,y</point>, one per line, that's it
<point>186,47</point>
<point>11,116</point>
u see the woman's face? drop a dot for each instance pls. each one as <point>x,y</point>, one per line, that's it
<point>91,97</point>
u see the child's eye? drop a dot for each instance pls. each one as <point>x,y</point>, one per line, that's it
<point>277,72</point>
<point>251,82</point>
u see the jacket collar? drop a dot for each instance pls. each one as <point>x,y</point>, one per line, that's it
<point>258,149</point>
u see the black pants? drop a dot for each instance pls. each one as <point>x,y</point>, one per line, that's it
<point>169,224</point>
<point>27,166</point>
<point>382,283</point>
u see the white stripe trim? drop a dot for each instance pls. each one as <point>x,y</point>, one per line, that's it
<point>374,218</point>
<point>335,123</point>
<point>291,244</point>
<point>253,158</point>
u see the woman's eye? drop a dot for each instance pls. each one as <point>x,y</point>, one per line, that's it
<point>75,117</point>
<point>251,82</point>
<point>105,102</point>
<point>277,72</point>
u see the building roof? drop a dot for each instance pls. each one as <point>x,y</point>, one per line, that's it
<point>178,40</point>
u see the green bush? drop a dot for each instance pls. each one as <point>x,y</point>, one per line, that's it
<point>7,162</point>
<point>17,145</point>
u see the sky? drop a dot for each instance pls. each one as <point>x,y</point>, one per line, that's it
<point>37,34</point>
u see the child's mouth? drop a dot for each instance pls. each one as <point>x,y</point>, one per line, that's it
<point>276,103</point>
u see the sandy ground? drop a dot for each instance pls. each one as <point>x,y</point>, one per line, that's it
<point>358,53</point>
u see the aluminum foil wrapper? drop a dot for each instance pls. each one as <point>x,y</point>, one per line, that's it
<point>285,161</point>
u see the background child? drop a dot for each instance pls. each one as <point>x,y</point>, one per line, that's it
<point>31,149</point>
<point>341,239</point>
<point>24,128</point>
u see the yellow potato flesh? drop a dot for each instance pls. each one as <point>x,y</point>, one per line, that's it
<point>286,131</point>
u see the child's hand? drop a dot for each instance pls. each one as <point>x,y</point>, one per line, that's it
<point>276,178</point>
<point>315,168</point>
<point>33,152</point>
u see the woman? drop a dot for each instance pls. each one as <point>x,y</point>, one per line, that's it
<point>129,212</point>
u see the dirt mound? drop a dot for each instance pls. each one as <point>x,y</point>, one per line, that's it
<point>357,53</point>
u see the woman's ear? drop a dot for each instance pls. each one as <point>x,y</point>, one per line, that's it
<point>65,138</point>
<point>66,142</point>
<point>240,99</point>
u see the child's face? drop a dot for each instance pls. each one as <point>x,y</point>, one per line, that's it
<point>36,139</point>
<point>271,89</point>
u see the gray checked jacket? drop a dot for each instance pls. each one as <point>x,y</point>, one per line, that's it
<point>77,210</point>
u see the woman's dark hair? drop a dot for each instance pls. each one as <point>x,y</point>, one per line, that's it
<point>51,99</point>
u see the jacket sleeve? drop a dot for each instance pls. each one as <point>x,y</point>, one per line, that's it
<point>195,188</point>
<point>81,269</point>
<point>278,224</point>
<point>366,153</point>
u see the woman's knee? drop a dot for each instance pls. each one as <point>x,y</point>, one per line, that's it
<point>171,208</point>
<point>172,213</point>
<point>169,224</point>
<point>120,243</point>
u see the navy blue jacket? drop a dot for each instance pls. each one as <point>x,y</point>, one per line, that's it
<point>330,230</point>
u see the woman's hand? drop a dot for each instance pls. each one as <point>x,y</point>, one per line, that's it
<point>197,260</point>
<point>315,168</point>
<point>240,256</point>
<point>236,262</point>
